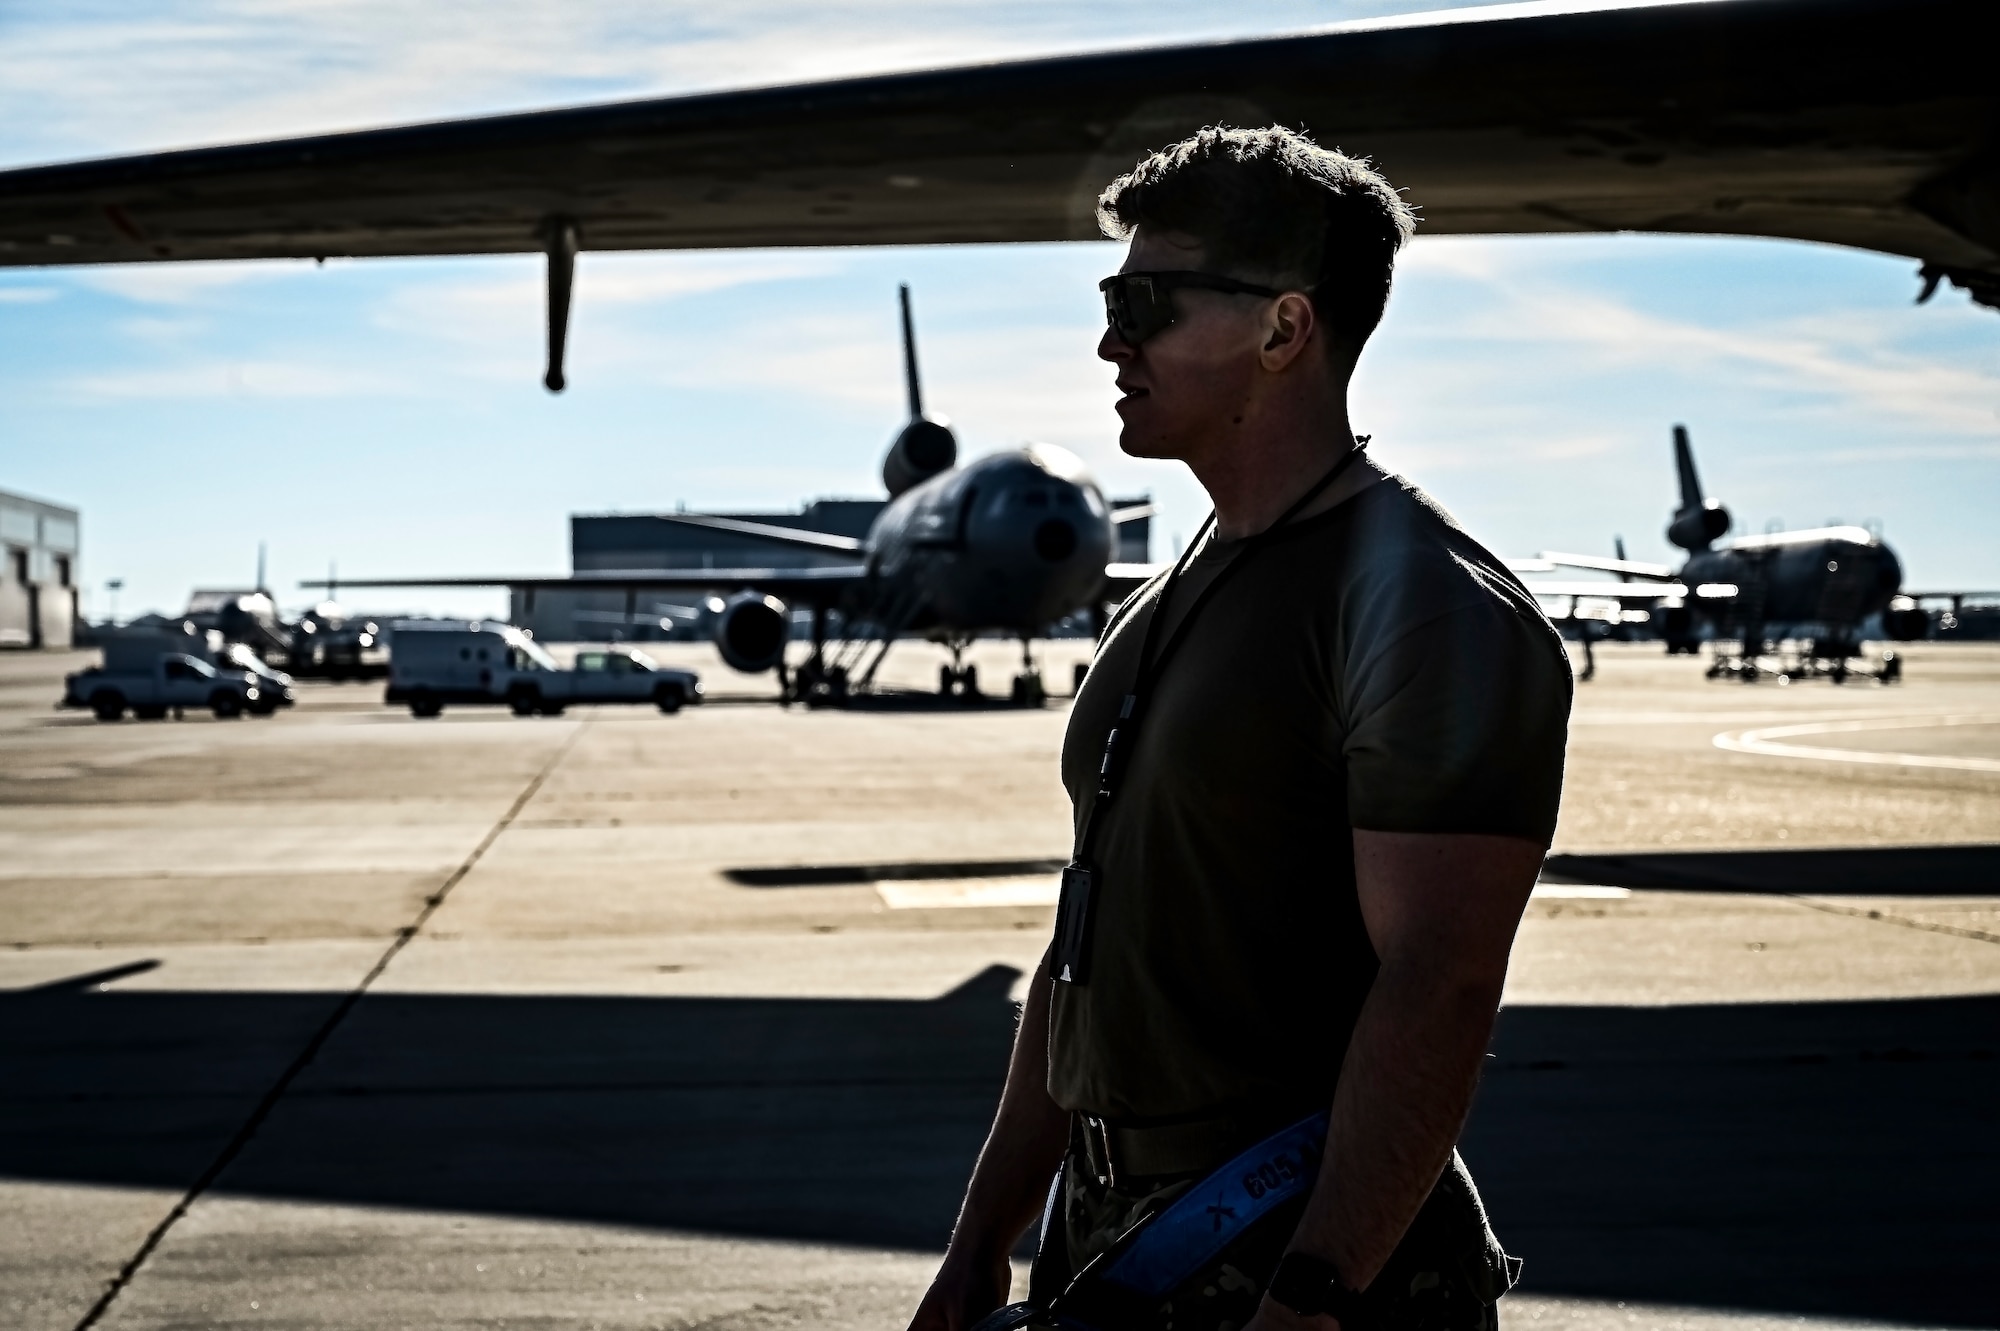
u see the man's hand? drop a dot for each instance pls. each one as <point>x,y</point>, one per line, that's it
<point>965,1290</point>
<point>1009,1184</point>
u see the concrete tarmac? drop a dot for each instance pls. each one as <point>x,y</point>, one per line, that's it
<point>344,1019</point>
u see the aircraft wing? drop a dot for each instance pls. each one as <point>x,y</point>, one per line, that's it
<point>1550,560</point>
<point>1611,591</point>
<point>1867,123</point>
<point>811,586</point>
<point>769,531</point>
<point>1122,580</point>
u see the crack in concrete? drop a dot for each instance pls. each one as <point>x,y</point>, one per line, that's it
<point>278,1089</point>
<point>1889,917</point>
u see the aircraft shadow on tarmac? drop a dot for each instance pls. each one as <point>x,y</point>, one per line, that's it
<point>1931,871</point>
<point>1826,1157</point>
<point>843,875</point>
<point>1924,871</point>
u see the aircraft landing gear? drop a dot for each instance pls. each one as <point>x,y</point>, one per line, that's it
<point>819,685</point>
<point>1029,691</point>
<point>815,683</point>
<point>958,680</point>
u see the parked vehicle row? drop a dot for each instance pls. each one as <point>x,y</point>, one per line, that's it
<point>480,663</point>
<point>152,673</point>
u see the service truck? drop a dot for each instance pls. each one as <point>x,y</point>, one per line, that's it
<point>435,664</point>
<point>151,673</point>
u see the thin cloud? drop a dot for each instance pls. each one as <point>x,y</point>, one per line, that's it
<point>182,283</point>
<point>1838,362</point>
<point>223,379</point>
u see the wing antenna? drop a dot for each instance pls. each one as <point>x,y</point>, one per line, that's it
<point>560,240</point>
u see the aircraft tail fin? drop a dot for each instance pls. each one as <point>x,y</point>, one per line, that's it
<point>910,357</point>
<point>1691,496</point>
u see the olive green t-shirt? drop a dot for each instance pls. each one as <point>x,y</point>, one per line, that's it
<point>1372,666</point>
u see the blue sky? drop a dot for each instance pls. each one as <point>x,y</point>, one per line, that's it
<point>388,414</point>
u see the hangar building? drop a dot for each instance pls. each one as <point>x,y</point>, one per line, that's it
<point>38,543</point>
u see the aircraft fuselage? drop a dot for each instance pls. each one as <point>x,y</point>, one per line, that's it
<point>1831,576</point>
<point>1013,541</point>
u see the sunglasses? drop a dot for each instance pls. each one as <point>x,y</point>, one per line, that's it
<point>1140,305</point>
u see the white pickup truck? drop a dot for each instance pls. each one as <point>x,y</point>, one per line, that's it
<point>170,681</point>
<point>436,664</point>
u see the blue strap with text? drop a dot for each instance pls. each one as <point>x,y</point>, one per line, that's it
<point>1205,1219</point>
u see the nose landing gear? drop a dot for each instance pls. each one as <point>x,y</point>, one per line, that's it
<point>1029,691</point>
<point>960,679</point>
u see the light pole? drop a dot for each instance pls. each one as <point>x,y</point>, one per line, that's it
<point>114,586</point>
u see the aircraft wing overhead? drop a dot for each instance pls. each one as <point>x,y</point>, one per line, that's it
<point>1867,123</point>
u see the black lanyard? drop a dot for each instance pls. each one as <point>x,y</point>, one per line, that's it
<point>1079,883</point>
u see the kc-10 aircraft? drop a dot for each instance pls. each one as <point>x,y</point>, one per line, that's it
<point>1866,123</point>
<point>1822,581</point>
<point>1014,541</point>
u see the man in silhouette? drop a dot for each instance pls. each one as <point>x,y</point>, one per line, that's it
<point>1314,773</point>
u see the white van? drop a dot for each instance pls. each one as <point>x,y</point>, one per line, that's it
<point>434,664</point>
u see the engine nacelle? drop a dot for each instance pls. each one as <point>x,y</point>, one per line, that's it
<point>1905,621</point>
<point>752,631</point>
<point>1699,528</point>
<point>921,451</point>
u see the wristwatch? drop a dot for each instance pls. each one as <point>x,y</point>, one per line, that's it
<point>1311,1287</point>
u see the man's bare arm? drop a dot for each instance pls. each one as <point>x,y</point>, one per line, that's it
<point>1009,1184</point>
<point>1441,911</point>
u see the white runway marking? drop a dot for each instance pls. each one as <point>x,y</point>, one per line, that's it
<point>1580,892</point>
<point>1765,741</point>
<point>945,893</point>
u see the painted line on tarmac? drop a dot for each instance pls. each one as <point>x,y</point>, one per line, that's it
<point>955,893</point>
<point>310,1051</point>
<point>1043,890</point>
<point>1766,741</point>
<point>1579,892</point>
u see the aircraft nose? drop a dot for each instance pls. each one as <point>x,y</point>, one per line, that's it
<point>1055,540</point>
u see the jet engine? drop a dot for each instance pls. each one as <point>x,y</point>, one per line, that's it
<point>921,451</point>
<point>1697,528</point>
<point>752,631</point>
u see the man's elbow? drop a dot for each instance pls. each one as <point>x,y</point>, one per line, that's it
<point>1469,988</point>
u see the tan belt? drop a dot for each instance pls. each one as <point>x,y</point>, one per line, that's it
<point>1117,1153</point>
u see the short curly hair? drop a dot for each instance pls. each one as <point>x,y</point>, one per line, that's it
<point>1272,201</point>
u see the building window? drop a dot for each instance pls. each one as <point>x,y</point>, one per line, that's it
<point>17,565</point>
<point>62,570</point>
